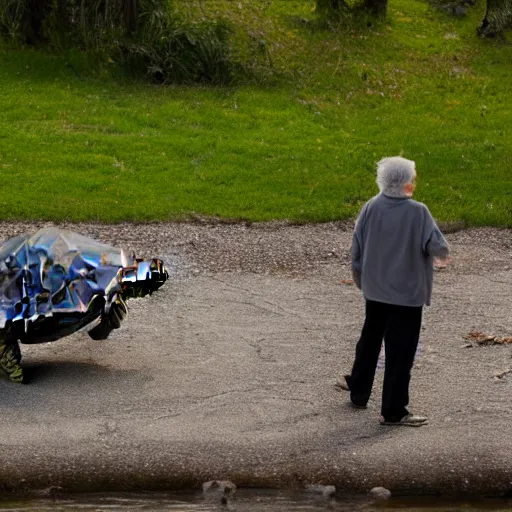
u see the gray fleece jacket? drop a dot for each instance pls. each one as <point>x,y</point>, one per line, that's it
<point>394,244</point>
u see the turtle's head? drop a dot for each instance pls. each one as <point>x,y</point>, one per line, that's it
<point>143,278</point>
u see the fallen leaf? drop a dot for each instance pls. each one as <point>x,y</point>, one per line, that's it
<point>486,339</point>
<point>503,373</point>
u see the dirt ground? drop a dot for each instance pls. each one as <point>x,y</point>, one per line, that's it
<point>228,372</point>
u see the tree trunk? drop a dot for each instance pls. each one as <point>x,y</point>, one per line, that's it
<point>131,15</point>
<point>485,29</point>
<point>498,16</point>
<point>32,21</point>
<point>376,7</point>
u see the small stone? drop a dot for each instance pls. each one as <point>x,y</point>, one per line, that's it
<point>380,493</point>
<point>219,487</point>
<point>460,11</point>
<point>219,490</point>
<point>48,492</point>
<point>327,491</point>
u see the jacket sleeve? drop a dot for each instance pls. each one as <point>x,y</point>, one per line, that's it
<point>434,243</point>
<point>357,247</point>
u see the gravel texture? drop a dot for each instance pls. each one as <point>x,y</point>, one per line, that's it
<point>270,248</point>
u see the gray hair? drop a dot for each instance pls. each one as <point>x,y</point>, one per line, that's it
<point>393,173</point>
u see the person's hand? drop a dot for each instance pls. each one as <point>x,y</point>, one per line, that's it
<point>442,262</point>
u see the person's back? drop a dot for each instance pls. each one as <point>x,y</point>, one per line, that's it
<point>394,237</point>
<point>394,244</point>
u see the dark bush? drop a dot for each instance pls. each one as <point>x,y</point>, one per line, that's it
<point>184,53</point>
<point>144,35</point>
<point>83,23</point>
<point>12,13</point>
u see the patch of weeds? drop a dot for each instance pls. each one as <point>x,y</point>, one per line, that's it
<point>184,53</point>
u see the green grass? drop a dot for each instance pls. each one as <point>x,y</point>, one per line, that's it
<point>78,144</point>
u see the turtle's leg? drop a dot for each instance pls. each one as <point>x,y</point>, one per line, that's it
<point>110,321</point>
<point>10,359</point>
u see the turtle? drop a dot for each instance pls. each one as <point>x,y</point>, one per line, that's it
<point>55,282</point>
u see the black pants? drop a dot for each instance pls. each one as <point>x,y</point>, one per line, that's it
<point>400,327</point>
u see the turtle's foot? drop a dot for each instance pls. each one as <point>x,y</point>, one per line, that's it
<point>10,358</point>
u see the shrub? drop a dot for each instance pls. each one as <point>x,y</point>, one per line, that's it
<point>84,23</point>
<point>183,52</point>
<point>144,34</point>
<point>11,17</point>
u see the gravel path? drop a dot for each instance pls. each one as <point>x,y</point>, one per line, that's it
<point>228,372</point>
<point>271,248</point>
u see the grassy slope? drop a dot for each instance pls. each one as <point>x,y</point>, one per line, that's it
<point>82,147</point>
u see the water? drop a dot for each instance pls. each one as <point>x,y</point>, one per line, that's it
<point>244,501</point>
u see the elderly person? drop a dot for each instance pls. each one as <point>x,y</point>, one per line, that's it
<point>394,245</point>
